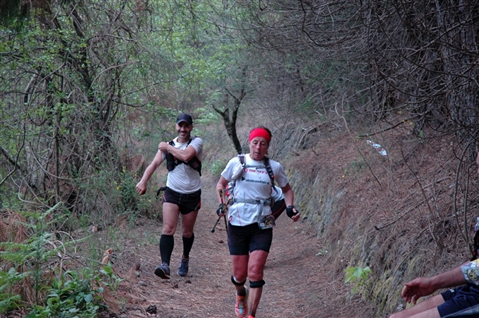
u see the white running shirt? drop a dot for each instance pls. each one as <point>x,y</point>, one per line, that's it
<point>254,184</point>
<point>183,178</point>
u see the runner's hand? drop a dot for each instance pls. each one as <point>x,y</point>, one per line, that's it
<point>222,209</point>
<point>292,212</point>
<point>416,289</point>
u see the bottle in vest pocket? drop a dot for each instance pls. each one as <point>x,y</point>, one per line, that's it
<point>237,171</point>
<point>170,160</point>
<point>229,192</point>
<point>266,222</point>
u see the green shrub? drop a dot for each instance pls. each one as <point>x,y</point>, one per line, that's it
<point>74,295</point>
<point>32,275</point>
<point>357,276</point>
<point>217,166</point>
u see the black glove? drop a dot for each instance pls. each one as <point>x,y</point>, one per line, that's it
<point>290,212</point>
<point>222,209</point>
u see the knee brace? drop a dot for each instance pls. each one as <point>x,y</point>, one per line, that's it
<point>233,280</point>
<point>257,284</point>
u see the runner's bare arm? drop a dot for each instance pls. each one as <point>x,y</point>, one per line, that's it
<point>183,155</point>
<point>141,187</point>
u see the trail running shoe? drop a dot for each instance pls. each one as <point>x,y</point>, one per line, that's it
<point>183,268</point>
<point>163,271</point>
<point>241,306</point>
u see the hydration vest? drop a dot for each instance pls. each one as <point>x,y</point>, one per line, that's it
<point>172,162</point>
<point>266,165</point>
<point>231,185</point>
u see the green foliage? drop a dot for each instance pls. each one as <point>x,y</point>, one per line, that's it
<point>35,267</point>
<point>126,187</point>
<point>8,196</point>
<point>10,12</point>
<point>8,279</point>
<point>128,202</point>
<point>206,116</point>
<point>203,44</point>
<point>357,276</point>
<point>111,195</point>
<point>112,280</point>
<point>217,166</point>
<point>75,294</point>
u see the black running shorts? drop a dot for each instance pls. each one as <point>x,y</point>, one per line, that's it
<point>186,202</point>
<point>458,299</point>
<point>245,239</point>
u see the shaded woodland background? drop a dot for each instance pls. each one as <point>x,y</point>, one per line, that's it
<point>89,88</point>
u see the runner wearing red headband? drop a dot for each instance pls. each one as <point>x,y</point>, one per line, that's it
<point>260,132</point>
<point>250,227</point>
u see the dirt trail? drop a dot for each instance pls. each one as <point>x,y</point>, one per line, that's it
<point>299,282</point>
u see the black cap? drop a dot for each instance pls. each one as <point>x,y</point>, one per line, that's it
<point>184,117</point>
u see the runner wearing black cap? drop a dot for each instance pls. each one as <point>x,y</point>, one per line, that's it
<point>182,194</point>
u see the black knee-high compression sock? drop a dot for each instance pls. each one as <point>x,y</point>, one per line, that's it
<point>187,244</point>
<point>167,243</point>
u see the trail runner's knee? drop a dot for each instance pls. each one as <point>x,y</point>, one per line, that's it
<point>233,280</point>
<point>256,284</point>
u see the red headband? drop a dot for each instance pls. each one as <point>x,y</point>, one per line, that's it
<point>259,132</point>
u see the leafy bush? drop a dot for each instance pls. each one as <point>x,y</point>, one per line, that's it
<point>357,276</point>
<point>8,299</point>
<point>72,295</point>
<point>217,167</point>
<point>32,274</point>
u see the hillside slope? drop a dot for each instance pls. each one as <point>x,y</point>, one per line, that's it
<point>404,209</point>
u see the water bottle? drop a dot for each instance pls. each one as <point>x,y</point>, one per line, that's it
<point>229,192</point>
<point>170,160</point>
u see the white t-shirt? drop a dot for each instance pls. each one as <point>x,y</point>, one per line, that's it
<point>183,178</point>
<point>254,184</point>
<point>277,194</point>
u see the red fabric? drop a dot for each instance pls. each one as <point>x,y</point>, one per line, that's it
<point>259,132</point>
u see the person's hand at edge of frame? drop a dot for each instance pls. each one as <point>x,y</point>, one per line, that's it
<point>417,288</point>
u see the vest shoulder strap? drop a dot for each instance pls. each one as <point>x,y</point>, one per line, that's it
<point>241,159</point>
<point>269,170</point>
<point>194,162</point>
<point>266,164</point>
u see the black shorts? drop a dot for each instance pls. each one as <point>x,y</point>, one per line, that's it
<point>186,202</point>
<point>245,239</point>
<point>458,299</point>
